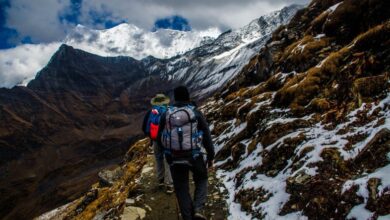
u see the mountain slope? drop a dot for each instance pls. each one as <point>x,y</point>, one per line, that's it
<point>305,126</point>
<point>64,127</point>
<point>207,68</point>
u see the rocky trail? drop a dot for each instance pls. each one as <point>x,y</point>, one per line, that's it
<point>149,202</point>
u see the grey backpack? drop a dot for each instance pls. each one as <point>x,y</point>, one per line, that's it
<point>180,136</point>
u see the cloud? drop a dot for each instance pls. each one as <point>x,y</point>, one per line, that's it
<point>46,21</point>
<point>200,13</point>
<point>19,65</point>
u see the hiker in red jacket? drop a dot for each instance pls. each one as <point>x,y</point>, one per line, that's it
<point>185,136</point>
<point>150,127</point>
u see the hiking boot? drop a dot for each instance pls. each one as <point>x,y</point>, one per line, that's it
<point>169,189</point>
<point>161,184</point>
<point>200,215</point>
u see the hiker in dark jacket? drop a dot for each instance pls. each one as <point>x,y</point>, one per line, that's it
<point>183,161</point>
<point>159,105</point>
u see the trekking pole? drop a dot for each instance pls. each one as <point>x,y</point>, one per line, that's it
<point>177,208</point>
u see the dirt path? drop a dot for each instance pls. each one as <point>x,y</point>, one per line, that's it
<point>148,202</point>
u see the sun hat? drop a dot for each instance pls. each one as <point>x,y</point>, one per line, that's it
<point>160,99</point>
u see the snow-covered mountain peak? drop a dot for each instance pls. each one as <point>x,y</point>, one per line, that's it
<point>129,40</point>
<point>207,68</point>
<point>266,23</point>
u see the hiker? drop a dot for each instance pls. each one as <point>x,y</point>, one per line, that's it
<point>150,127</point>
<point>185,135</point>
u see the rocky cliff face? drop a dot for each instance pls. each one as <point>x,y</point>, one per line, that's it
<point>303,131</point>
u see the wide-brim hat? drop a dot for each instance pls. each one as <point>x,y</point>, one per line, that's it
<point>160,99</point>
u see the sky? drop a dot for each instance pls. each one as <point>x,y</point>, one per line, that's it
<point>45,21</point>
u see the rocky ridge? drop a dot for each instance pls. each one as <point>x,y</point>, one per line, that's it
<point>207,68</point>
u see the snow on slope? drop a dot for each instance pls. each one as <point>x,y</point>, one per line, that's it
<point>19,65</point>
<point>207,68</point>
<point>318,138</point>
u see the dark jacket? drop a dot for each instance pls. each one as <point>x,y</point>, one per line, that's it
<point>202,126</point>
<point>144,124</point>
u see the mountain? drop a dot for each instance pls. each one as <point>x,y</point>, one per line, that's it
<point>130,40</point>
<point>19,65</point>
<point>82,111</point>
<point>207,68</point>
<point>64,127</point>
<point>303,131</point>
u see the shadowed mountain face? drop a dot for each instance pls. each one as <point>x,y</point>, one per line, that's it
<point>65,126</point>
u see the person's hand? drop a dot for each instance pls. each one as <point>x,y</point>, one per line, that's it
<point>210,165</point>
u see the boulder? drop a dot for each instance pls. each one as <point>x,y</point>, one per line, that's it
<point>108,177</point>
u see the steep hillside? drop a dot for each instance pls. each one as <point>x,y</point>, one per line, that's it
<point>65,126</point>
<point>304,130</point>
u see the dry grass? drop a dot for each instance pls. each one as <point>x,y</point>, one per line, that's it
<point>301,89</point>
<point>320,104</point>
<point>304,49</point>
<point>318,22</point>
<point>375,36</point>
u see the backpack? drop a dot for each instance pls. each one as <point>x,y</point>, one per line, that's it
<point>180,136</point>
<point>152,125</point>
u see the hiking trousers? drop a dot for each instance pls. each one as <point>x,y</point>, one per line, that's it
<point>162,167</point>
<point>180,176</point>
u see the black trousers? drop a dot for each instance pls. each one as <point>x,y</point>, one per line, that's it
<point>180,177</point>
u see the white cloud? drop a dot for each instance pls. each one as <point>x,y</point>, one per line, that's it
<point>19,65</point>
<point>38,19</point>
<point>201,13</point>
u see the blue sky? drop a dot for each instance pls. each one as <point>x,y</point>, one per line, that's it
<point>44,21</point>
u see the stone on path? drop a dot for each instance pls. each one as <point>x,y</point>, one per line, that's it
<point>133,213</point>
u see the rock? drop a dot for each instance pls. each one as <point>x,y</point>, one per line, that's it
<point>130,201</point>
<point>372,187</point>
<point>88,198</point>
<point>133,213</point>
<point>237,151</point>
<point>148,207</point>
<point>108,177</point>
<point>376,147</point>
